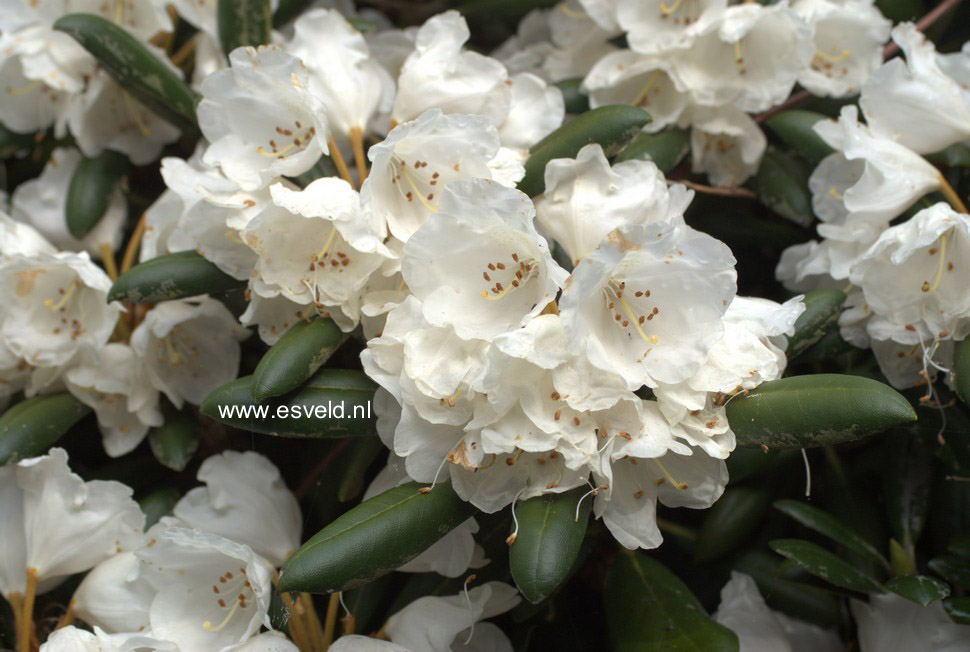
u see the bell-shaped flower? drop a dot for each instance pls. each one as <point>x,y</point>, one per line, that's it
<point>413,164</point>
<point>114,382</point>
<point>55,305</point>
<point>726,144</point>
<point>26,106</point>
<point>244,500</point>
<point>647,304</point>
<point>274,315</point>
<point>915,103</point>
<point>212,593</point>
<point>115,596</point>
<point>190,347</point>
<point>892,622</point>
<point>849,37</point>
<point>912,274</point>
<point>441,74</point>
<point>72,639</point>
<point>657,27</point>
<point>749,58</point>
<point>261,117</point>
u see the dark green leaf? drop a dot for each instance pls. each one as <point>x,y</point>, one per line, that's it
<point>961,369</point>
<point>829,526</point>
<point>732,519</point>
<point>747,463</point>
<point>374,538</point>
<point>610,126</point>
<point>807,411</point>
<point>501,9</point>
<point>795,128</point>
<point>666,149</point>
<point>822,309</point>
<point>288,10</point>
<point>295,357</point>
<point>334,403</point>
<point>32,426</point>
<point>901,10</point>
<point>244,22</point>
<point>648,609</point>
<point>548,541</point>
<point>174,443</point>
<point>782,186</point>
<point>958,609</point>
<point>830,346</point>
<point>92,186</point>
<point>798,599</point>
<point>175,276</point>
<point>954,569</point>
<point>823,564</point>
<point>575,99</point>
<point>907,486</point>
<point>134,67</point>
<point>960,545</point>
<point>158,504</point>
<point>363,452</point>
<point>920,589</point>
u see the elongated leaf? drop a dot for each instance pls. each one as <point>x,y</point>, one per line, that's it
<point>362,453</point>
<point>575,99</point>
<point>807,411</point>
<point>288,10</point>
<point>961,369</point>
<point>244,22</point>
<point>175,276</point>
<point>92,186</point>
<point>648,609</point>
<point>734,517</point>
<point>958,609</point>
<point>374,538</point>
<point>829,526</point>
<point>136,69</point>
<point>334,403</point>
<point>823,564</point>
<point>804,601</point>
<point>954,569</point>
<point>610,126</point>
<point>32,426</point>
<point>158,504</point>
<point>782,186</point>
<point>795,128</point>
<point>920,589</point>
<point>908,481</point>
<point>295,357</point>
<point>830,346</point>
<point>548,541</point>
<point>174,443</point>
<point>822,309</point>
<point>666,149</point>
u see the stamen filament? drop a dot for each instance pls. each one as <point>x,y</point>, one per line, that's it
<point>417,193</point>
<point>135,114</point>
<point>648,86</point>
<point>939,266</point>
<point>842,56</point>
<point>678,485</point>
<point>666,9</point>
<point>835,194</point>
<point>67,297</point>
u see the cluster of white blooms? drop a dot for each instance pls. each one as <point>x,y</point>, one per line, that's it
<point>704,64</point>
<point>897,254</point>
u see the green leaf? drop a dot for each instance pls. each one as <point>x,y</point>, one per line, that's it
<point>158,504</point>
<point>782,186</point>
<point>901,10</point>
<point>610,126</point>
<point>795,128</point>
<point>548,541</point>
<point>747,463</point>
<point>334,403</point>
<point>666,148</point>
<point>958,609</point>
<point>174,443</point>
<point>899,560</point>
<point>501,9</point>
<point>32,426</point>
<point>732,519</point>
<point>648,609</point>
<point>363,452</point>
<point>289,10</point>
<point>92,186</point>
<point>295,357</point>
<point>244,22</point>
<point>575,99</point>
<point>830,346</point>
<point>961,369</point>
<point>823,564</point>
<point>920,589</point>
<point>907,483</point>
<point>174,276</point>
<point>954,569</point>
<point>822,309</point>
<point>374,538</point>
<point>137,70</point>
<point>814,410</point>
<point>798,599</point>
<point>829,526</point>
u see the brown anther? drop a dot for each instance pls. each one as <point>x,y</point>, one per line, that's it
<point>486,276</point>
<point>576,421</point>
<point>500,265</point>
<point>515,257</point>
<point>511,538</point>
<point>554,396</point>
<point>491,267</point>
<point>659,481</point>
<point>222,603</point>
<point>557,415</point>
<point>424,490</point>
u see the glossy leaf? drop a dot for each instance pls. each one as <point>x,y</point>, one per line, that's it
<point>548,541</point>
<point>666,149</point>
<point>92,186</point>
<point>302,350</point>
<point>782,186</point>
<point>334,403</point>
<point>954,569</point>
<point>244,22</point>
<point>804,601</point>
<point>174,443</point>
<point>32,426</point>
<point>575,99</point>
<point>822,310</point>
<point>174,276</point>
<point>374,538</point>
<point>648,609</point>
<point>795,128</point>
<point>920,589</point>
<point>907,483</point>
<point>814,410</point>
<point>363,452</point>
<point>732,519</point>
<point>961,369</point>
<point>829,526</point>
<point>158,504</point>
<point>825,565</point>
<point>610,126</point>
<point>958,609</point>
<point>137,70</point>
<point>830,346</point>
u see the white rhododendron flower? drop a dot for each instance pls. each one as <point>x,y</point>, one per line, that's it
<point>656,27</point>
<point>115,596</point>
<point>891,621</point>
<point>72,639</point>
<point>727,145</point>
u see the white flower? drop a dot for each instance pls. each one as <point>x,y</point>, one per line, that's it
<point>55,304</point>
<point>891,622</point>
<point>212,593</point>
<point>749,58</point>
<point>915,103</point>
<point>359,643</point>
<point>268,642</point>
<point>413,164</point>
<point>244,500</point>
<point>274,315</point>
<point>41,202</point>
<point>726,144</point>
<point>261,118</point>
<point>659,27</point>
<point>440,74</point>
<point>478,264</point>
<point>13,552</point>
<point>848,44</point>
<point>190,347</point>
<point>26,106</point>
<point>647,304</point>
<point>72,639</point>
<point>536,109</point>
<point>904,364</point>
<point>114,382</point>
<point>115,596</point>
<point>20,238</point>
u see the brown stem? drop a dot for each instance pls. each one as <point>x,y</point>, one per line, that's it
<point>357,143</point>
<point>129,257</point>
<point>26,622</point>
<point>338,160</point>
<point>794,100</point>
<point>330,626</point>
<point>108,258</point>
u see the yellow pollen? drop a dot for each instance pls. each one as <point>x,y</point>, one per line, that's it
<point>835,194</point>
<point>67,297</point>
<point>680,485</point>
<point>666,9</point>
<point>842,56</point>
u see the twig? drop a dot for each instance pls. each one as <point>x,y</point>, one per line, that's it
<point>742,193</point>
